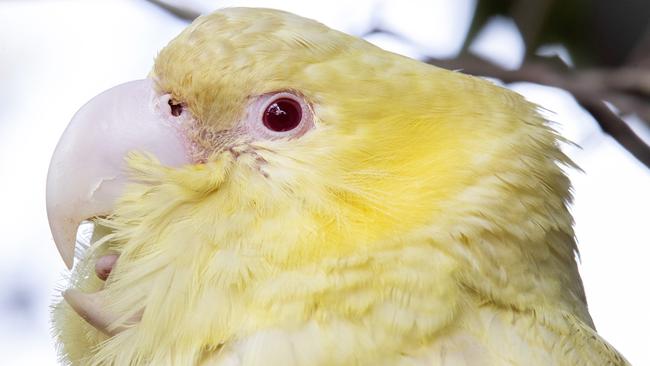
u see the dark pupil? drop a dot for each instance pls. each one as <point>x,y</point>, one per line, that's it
<point>282,115</point>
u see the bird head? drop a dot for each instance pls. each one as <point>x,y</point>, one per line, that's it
<point>271,171</point>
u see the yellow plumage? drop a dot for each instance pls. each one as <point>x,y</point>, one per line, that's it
<point>423,221</point>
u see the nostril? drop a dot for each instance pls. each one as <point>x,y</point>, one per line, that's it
<point>104,265</point>
<point>176,108</point>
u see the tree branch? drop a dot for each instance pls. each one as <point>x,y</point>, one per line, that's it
<point>618,129</point>
<point>590,89</point>
<point>180,11</point>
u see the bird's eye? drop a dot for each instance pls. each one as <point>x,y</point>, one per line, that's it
<point>279,115</point>
<point>175,107</point>
<point>282,114</point>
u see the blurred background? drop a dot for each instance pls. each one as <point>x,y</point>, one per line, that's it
<point>587,62</point>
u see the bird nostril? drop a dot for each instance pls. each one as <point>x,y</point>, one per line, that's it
<point>176,108</point>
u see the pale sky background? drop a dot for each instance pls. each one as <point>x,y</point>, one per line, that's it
<point>56,55</point>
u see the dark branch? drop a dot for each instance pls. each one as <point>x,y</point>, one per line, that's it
<point>184,13</point>
<point>590,88</point>
<point>618,129</point>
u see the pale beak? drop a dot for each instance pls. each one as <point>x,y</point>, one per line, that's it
<point>88,172</point>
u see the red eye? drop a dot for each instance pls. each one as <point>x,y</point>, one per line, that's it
<point>282,115</point>
<point>279,115</point>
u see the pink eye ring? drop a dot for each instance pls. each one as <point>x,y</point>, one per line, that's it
<point>279,115</point>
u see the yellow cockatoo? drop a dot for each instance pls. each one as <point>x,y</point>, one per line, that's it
<point>280,193</point>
